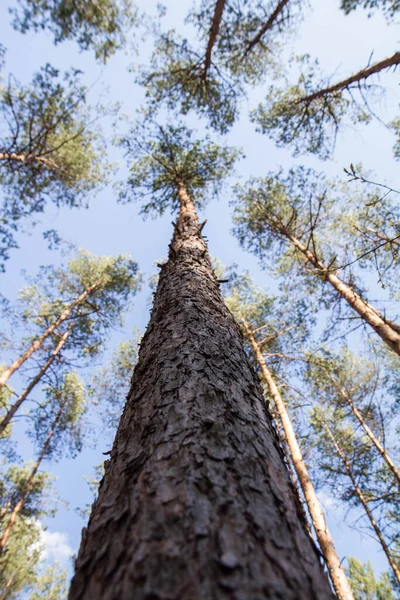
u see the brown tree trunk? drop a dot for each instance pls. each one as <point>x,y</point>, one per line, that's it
<point>364,503</point>
<point>17,508</point>
<point>214,30</point>
<point>387,330</point>
<point>196,502</point>
<point>6,588</point>
<point>13,409</point>
<point>29,158</point>
<point>266,27</point>
<point>356,78</point>
<point>336,572</point>
<point>38,342</point>
<point>368,431</point>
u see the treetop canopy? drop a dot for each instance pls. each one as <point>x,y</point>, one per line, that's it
<point>163,157</point>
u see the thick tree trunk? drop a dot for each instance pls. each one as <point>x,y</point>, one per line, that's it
<point>13,409</point>
<point>214,31</point>
<point>17,508</point>
<point>336,572</point>
<point>362,75</point>
<point>364,504</point>
<point>368,431</point>
<point>196,502</point>
<point>38,342</point>
<point>387,330</point>
<point>266,27</point>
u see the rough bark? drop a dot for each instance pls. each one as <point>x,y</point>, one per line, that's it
<point>336,572</point>
<point>17,508</point>
<point>266,27</point>
<point>13,409</point>
<point>362,75</point>
<point>39,341</point>
<point>364,504</point>
<point>196,502</point>
<point>214,31</point>
<point>386,457</point>
<point>387,330</point>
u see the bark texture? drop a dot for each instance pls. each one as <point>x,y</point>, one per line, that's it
<point>196,502</point>
<point>325,541</point>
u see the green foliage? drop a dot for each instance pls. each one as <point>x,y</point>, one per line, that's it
<point>280,324</point>
<point>109,385</point>
<point>101,25</point>
<point>12,483</point>
<point>18,565</point>
<point>117,279</point>
<point>364,584</point>
<point>292,115</point>
<point>50,148</point>
<point>163,157</point>
<point>51,584</point>
<point>389,7</point>
<point>5,398</point>
<point>396,128</point>
<point>181,77</point>
<point>176,78</point>
<point>63,410</point>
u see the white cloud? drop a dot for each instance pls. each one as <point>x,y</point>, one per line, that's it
<point>54,545</point>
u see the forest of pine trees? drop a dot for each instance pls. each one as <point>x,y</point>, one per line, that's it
<point>200,332</point>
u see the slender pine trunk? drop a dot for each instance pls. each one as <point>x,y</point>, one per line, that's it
<point>364,503</point>
<point>386,457</point>
<point>387,330</point>
<point>19,505</point>
<point>214,31</point>
<point>266,27</point>
<point>336,572</point>
<point>39,341</point>
<point>196,502</point>
<point>7,587</point>
<point>362,75</point>
<point>28,158</point>
<point>13,409</point>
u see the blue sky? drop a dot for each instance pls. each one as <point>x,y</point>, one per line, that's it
<point>342,44</point>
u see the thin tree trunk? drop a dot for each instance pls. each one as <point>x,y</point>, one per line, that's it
<point>17,508</point>
<point>368,431</point>
<point>38,342</point>
<point>28,158</point>
<point>387,330</point>
<point>356,78</point>
<point>196,502</point>
<point>214,30</point>
<point>13,409</point>
<point>7,587</point>
<point>364,503</point>
<point>266,27</point>
<point>336,572</point>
